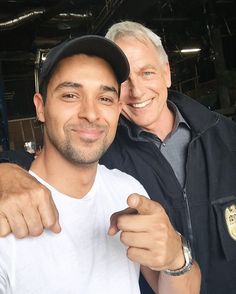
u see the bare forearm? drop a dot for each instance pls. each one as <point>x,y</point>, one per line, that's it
<point>188,283</point>
<point>161,283</point>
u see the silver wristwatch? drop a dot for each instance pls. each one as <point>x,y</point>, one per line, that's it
<point>188,260</point>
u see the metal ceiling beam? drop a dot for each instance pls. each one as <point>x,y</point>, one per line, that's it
<point>120,10</point>
<point>21,19</point>
<point>106,13</point>
<point>41,14</point>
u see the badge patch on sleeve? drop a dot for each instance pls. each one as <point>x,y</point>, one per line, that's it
<point>230,218</point>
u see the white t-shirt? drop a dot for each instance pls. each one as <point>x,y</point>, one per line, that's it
<point>82,258</point>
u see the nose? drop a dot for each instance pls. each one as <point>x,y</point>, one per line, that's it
<point>88,110</point>
<point>136,88</point>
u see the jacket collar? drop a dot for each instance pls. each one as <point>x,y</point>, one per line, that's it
<point>198,116</point>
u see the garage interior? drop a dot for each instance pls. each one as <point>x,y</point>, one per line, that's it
<point>29,28</point>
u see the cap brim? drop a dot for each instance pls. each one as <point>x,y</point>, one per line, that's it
<point>91,45</point>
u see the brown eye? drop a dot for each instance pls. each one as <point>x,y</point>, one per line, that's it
<point>106,100</point>
<point>70,97</point>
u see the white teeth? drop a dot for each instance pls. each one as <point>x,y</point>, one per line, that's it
<point>142,104</point>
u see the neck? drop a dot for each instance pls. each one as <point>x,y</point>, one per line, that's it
<point>71,179</point>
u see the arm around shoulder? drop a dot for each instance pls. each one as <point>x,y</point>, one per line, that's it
<point>21,158</point>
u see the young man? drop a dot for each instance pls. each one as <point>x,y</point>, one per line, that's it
<point>79,106</point>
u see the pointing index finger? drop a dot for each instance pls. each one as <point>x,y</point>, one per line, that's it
<point>143,204</point>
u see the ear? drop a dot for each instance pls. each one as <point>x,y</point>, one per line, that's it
<point>120,106</point>
<point>39,106</point>
<point>167,75</point>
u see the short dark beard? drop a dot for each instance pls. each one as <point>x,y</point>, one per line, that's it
<point>75,156</point>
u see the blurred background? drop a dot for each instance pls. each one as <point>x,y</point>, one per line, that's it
<point>198,35</point>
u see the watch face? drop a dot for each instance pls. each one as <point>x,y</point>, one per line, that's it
<point>186,251</point>
<point>187,254</point>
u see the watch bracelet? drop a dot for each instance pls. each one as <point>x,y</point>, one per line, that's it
<point>188,260</point>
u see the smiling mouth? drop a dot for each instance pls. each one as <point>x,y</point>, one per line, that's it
<point>89,134</point>
<point>141,104</point>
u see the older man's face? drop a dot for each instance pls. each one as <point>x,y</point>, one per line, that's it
<point>144,94</point>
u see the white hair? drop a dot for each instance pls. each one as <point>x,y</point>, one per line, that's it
<point>136,30</point>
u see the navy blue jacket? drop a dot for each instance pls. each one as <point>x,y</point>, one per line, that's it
<point>198,210</point>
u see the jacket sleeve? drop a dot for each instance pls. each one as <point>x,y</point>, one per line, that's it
<point>21,158</point>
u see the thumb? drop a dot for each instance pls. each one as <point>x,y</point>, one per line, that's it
<point>142,204</point>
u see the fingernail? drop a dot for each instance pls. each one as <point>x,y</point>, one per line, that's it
<point>134,201</point>
<point>57,228</point>
<point>111,231</point>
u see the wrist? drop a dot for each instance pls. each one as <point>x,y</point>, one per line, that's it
<point>183,262</point>
<point>179,260</point>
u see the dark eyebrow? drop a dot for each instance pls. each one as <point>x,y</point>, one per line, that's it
<point>68,85</point>
<point>78,85</point>
<point>108,89</point>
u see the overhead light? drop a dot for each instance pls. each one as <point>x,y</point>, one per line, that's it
<point>190,50</point>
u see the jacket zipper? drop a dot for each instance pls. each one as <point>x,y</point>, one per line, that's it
<point>185,196</point>
<point>188,216</point>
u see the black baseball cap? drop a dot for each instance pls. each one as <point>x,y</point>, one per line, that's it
<point>90,45</point>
